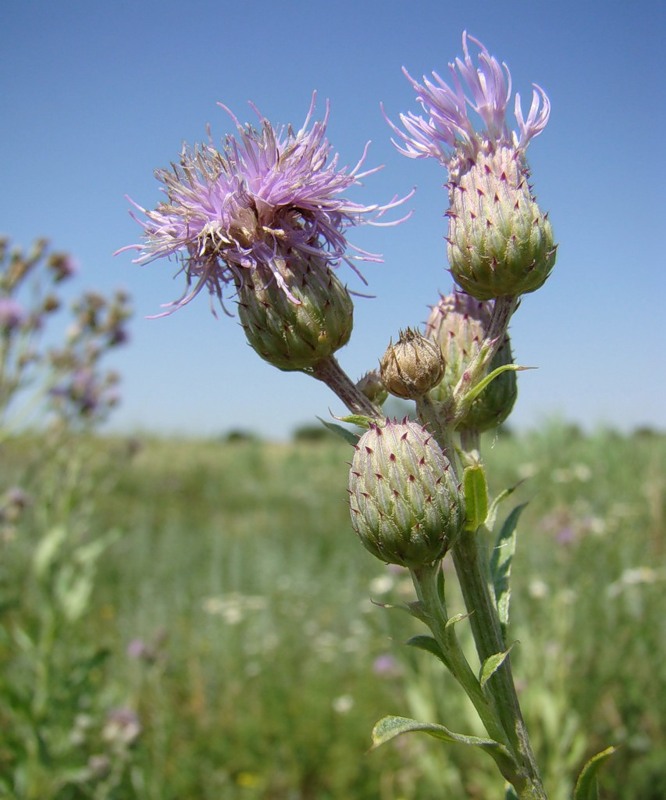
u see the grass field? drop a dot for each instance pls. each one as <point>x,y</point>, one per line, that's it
<point>194,620</point>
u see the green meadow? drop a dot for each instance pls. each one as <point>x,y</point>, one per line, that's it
<point>195,620</point>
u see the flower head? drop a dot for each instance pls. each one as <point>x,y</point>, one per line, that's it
<point>268,195</point>
<point>448,133</point>
<point>500,243</point>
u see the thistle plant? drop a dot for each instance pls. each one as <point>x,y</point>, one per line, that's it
<point>50,546</point>
<point>263,221</point>
<point>64,382</point>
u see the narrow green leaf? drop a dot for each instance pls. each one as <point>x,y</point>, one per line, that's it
<point>457,618</point>
<point>338,430</point>
<point>491,665</point>
<point>427,643</point>
<point>586,785</point>
<point>471,396</point>
<point>500,563</point>
<point>476,496</point>
<point>390,727</point>
<point>510,793</point>
<point>417,610</point>
<point>492,511</point>
<point>357,419</point>
<point>90,553</point>
<point>408,608</point>
<point>47,550</point>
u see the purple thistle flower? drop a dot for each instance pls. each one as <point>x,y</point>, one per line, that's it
<point>448,134</point>
<point>12,315</point>
<point>267,195</point>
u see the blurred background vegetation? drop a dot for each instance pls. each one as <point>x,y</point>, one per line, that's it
<point>209,627</point>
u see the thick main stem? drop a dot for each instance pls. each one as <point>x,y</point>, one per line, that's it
<point>435,615</point>
<point>472,570</point>
<point>489,641</point>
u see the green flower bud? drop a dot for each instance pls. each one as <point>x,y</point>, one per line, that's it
<point>406,505</point>
<point>459,324</point>
<point>499,242</point>
<point>297,323</point>
<point>410,368</point>
<point>372,387</point>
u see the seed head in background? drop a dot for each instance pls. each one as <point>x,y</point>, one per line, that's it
<point>500,244</point>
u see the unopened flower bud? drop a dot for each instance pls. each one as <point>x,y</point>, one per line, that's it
<point>410,368</point>
<point>499,242</point>
<point>51,303</point>
<point>63,266</point>
<point>406,505</point>
<point>372,387</point>
<point>298,323</point>
<point>459,324</point>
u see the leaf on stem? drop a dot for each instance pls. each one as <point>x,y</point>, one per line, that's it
<point>473,393</point>
<point>491,665</point>
<point>457,618</point>
<point>492,511</point>
<point>417,610</point>
<point>429,644</point>
<point>359,420</point>
<point>476,497</point>
<point>348,436</point>
<point>586,785</point>
<point>390,727</point>
<point>500,564</point>
<point>47,549</point>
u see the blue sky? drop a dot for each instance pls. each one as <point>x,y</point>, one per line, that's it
<point>95,96</point>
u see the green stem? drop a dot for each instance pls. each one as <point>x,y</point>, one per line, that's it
<point>471,565</point>
<point>433,604</point>
<point>331,373</point>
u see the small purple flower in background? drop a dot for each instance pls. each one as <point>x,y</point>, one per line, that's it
<point>268,197</point>
<point>12,315</point>
<point>386,666</point>
<point>86,392</point>
<point>13,503</point>
<point>139,650</point>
